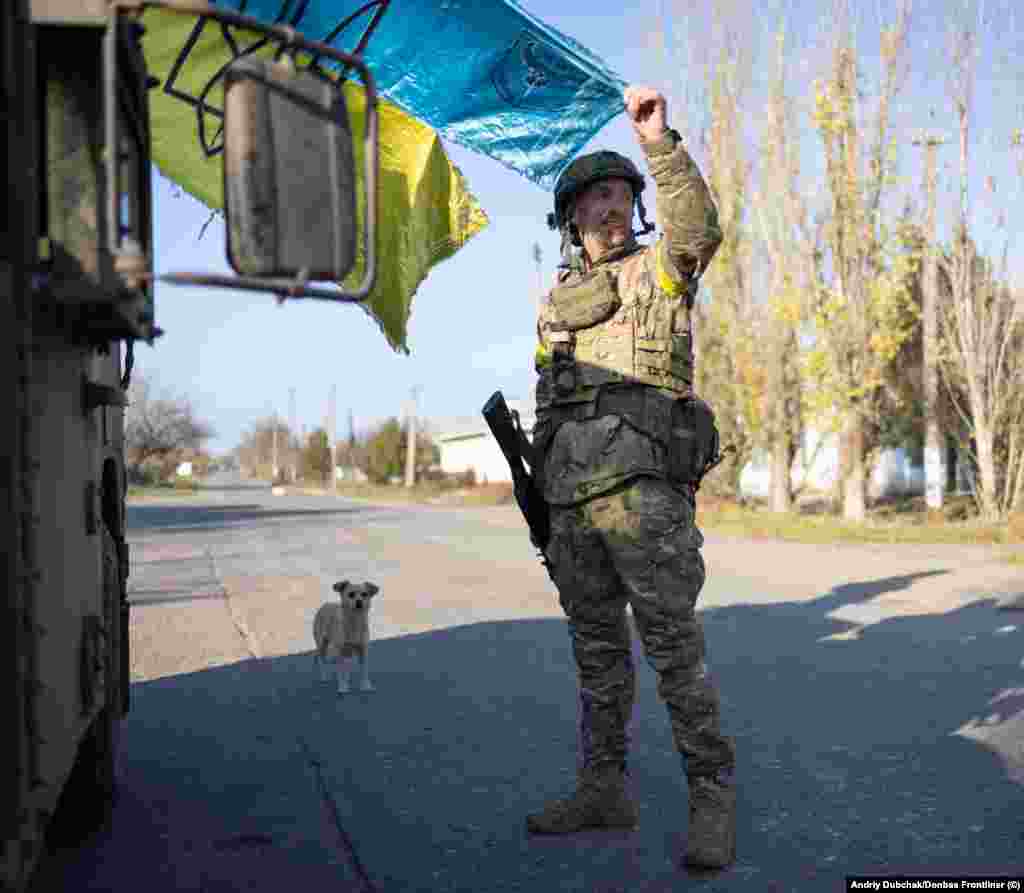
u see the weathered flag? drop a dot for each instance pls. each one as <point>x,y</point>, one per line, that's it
<point>485,73</point>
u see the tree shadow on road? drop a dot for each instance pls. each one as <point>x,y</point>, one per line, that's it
<point>861,591</point>
<point>855,756</point>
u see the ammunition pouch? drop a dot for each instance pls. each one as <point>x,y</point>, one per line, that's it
<point>580,305</point>
<point>588,302</point>
<point>563,362</point>
<point>694,446</point>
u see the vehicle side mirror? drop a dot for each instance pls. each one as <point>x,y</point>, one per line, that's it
<point>289,173</point>
<point>290,199</point>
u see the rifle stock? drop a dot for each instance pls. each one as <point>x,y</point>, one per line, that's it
<point>531,502</point>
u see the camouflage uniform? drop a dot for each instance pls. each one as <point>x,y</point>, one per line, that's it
<point>616,454</point>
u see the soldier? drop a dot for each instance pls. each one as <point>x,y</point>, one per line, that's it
<point>621,444</point>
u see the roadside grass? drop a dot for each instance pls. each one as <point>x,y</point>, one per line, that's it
<point>425,493</point>
<point>162,491</point>
<point>904,521</point>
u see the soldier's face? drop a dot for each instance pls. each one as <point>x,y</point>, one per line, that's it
<point>604,215</point>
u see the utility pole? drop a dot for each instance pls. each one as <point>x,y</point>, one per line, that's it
<point>332,436</point>
<point>291,434</point>
<point>273,461</point>
<point>410,445</point>
<point>934,455</point>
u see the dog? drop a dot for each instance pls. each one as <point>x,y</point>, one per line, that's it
<point>342,631</point>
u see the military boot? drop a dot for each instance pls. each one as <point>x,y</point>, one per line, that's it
<point>711,839</point>
<point>600,801</point>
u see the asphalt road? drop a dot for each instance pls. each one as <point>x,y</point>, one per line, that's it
<point>876,695</point>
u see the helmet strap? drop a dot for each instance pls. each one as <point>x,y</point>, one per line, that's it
<point>567,253</point>
<point>645,227</point>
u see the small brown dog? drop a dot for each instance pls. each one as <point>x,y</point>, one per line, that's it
<point>342,631</point>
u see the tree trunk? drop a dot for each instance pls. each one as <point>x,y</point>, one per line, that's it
<point>836,494</point>
<point>781,496</point>
<point>934,472</point>
<point>855,475</point>
<point>778,427</point>
<point>987,496</point>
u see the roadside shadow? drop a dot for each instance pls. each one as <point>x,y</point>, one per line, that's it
<point>852,759</point>
<point>169,518</point>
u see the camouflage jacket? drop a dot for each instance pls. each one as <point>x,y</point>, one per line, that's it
<point>615,353</point>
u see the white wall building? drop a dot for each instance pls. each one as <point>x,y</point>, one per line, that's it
<point>467,443</point>
<point>817,466</point>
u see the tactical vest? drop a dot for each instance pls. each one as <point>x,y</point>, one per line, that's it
<point>613,329</point>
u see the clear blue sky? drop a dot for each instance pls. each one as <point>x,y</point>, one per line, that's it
<point>236,354</point>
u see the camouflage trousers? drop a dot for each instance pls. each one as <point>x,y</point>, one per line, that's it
<point>640,546</point>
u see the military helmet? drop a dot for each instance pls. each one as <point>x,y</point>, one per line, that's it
<point>588,169</point>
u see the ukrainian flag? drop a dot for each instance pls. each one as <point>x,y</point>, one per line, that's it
<point>425,210</point>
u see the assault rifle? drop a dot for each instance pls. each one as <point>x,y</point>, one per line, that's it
<point>505,427</point>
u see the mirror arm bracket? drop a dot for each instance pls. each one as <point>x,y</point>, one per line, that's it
<point>283,287</point>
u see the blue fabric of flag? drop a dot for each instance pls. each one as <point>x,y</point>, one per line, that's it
<point>484,73</point>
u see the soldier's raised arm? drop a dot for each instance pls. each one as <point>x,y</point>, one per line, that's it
<point>686,212</point>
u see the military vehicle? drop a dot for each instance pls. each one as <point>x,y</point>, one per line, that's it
<point>76,293</point>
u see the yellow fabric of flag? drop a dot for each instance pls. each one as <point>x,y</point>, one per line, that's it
<point>425,211</point>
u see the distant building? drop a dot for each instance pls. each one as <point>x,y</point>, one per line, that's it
<point>466,443</point>
<point>896,472</point>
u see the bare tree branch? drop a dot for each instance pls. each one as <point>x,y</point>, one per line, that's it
<point>160,427</point>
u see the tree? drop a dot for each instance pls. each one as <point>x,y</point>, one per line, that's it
<point>427,452</point>
<point>748,346</point>
<point>866,312</point>
<point>350,454</point>
<point>981,359</point>
<point>316,457</point>
<point>257,448</point>
<point>982,331</point>
<point>793,260</point>
<point>385,456</point>
<point>159,429</point>
<point>729,374</point>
